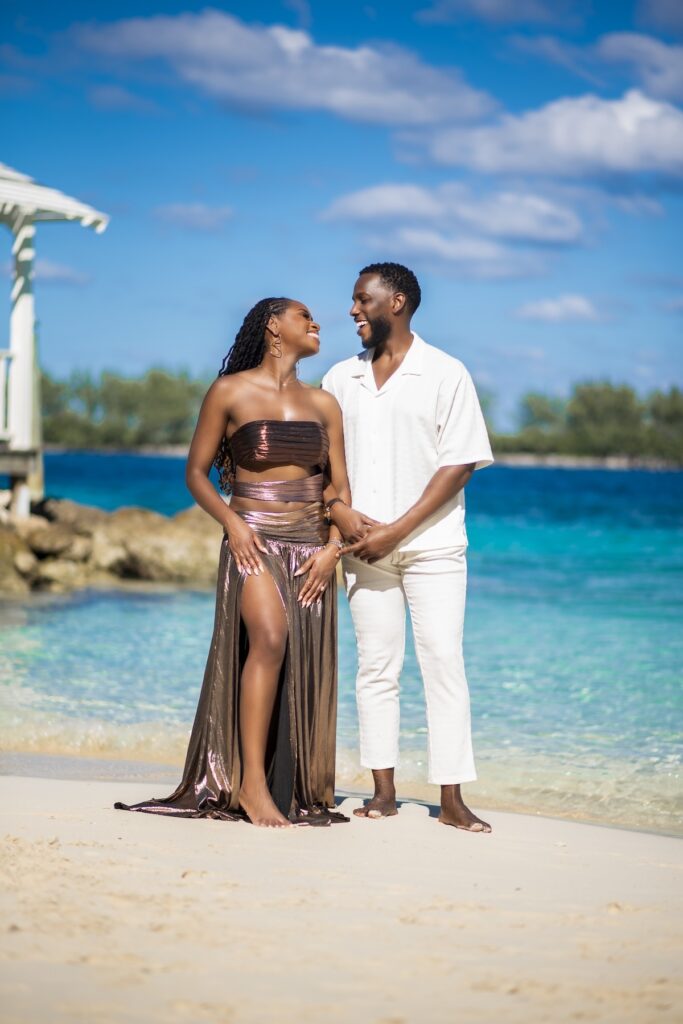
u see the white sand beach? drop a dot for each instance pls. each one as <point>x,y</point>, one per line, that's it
<point>117,917</point>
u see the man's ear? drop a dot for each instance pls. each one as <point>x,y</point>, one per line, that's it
<point>398,303</point>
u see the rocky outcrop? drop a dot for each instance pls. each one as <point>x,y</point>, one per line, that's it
<point>181,550</point>
<point>12,550</point>
<point>64,545</point>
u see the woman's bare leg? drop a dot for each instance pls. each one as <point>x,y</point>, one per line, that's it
<point>266,625</point>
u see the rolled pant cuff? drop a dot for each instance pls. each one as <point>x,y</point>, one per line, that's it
<point>452,780</point>
<point>378,766</point>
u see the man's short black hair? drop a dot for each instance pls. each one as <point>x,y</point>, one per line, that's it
<point>398,277</point>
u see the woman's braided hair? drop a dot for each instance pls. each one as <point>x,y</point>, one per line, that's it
<point>246,353</point>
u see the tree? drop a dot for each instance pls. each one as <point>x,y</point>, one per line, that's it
<point>168,408</point>
<point>542,412</point>
<point>664,414</point>
<point>85,393</point>
<point>54,395</point>
<point>604,420</point>
<point>121,400</point>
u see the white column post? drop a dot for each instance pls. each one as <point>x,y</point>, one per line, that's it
<point>36,478</point>
<point>23,435</point>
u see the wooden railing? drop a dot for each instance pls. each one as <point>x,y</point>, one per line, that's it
<point>5,362</point>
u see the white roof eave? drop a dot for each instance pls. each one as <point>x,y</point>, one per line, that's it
<point>21,195</point>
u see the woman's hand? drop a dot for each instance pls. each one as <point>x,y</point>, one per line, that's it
<point>320,568</point>
<point>353,525</point>
<point>245,546</point>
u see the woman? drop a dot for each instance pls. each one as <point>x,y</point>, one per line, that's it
<point>263,741</point>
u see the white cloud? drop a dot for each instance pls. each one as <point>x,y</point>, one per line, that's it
<point>664,14</point>
<point>658,66</point>
<point>558,51</point>
<point>496,11</point>
<point>469,257</point>
<point>522,216</point>
<point>115,97</point>
<point>638,205</point>
<point>518,215</point>
<point>378,201</point>
<point>302,9</point>
<point>50,272</point>
<point>563,309</point>
<point>585,135</point>
<point>278,67</point>
<point>195,216</point>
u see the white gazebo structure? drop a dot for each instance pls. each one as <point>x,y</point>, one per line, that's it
<point>23,204</point>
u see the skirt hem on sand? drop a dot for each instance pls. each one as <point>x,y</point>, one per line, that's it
<point>300,757</point>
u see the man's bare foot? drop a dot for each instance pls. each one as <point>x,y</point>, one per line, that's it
<point>257,803</point>
<point>383,803</point>
<point>455,812</point>
<point>380,806</point>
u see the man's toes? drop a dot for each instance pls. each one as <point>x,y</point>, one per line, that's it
<point>361,812</point>
<point>477,826</point>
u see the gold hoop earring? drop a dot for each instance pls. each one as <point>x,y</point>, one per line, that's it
<point>276,347</point>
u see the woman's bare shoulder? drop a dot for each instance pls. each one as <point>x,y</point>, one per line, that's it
<point>324,402</point>
<point>228,384</point>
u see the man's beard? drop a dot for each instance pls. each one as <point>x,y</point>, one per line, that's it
<point>380,329</point>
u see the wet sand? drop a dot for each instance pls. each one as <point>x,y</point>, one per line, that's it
<point>117,917</point>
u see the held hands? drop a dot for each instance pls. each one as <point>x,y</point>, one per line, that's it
<point>320,568</point>
<point>352,524</point>
<point>245,546</point>
<point>377,543</point>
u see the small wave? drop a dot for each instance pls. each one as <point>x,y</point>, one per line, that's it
<point>632,794</point>
<point>22,731</point>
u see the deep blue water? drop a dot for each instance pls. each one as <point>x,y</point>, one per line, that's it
<point>633,498</point>
<point>573,635</point>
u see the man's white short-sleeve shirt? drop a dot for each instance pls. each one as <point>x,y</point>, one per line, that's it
<point>427,415</point>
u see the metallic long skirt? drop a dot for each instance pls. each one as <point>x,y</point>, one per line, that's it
<point>300,757</point>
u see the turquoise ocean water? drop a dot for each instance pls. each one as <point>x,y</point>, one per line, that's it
<point>574,645</point>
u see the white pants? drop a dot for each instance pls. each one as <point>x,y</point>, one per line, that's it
<point>433,583</point>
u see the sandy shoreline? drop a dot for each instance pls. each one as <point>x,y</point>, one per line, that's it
<point>523,785</point>
<point>115,917</point>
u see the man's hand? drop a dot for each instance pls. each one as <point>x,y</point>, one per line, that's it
<point>377,543</point>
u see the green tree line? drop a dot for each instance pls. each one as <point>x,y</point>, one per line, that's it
<point>160,408</point>
<point>600,419</point>
<point>111,411</point>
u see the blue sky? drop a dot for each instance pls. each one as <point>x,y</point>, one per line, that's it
<point>524,157</point>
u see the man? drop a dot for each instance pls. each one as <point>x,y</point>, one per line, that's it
<point>414,434</point>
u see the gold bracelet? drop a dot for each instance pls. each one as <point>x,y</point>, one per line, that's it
<point>328,507</point>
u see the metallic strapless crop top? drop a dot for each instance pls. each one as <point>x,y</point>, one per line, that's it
<point>286,442</point>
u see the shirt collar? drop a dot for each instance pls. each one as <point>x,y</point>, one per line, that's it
<point>412,361</point>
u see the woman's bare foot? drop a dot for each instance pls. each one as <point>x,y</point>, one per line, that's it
<point>383,803</point>
<point>455,812</point>
<point>257,803</point>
